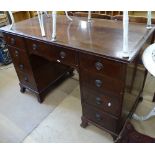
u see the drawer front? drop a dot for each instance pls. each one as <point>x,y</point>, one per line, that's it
<point>14,41</point>
<point>102,66</point>
<point>52,52</point>
<point>41,49</point>
<point>66,56</point>
<point>100,118</point>
<point>20,59</point>
<point>101,83</point>
<point>102,101</point>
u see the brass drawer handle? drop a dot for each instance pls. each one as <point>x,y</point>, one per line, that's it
<point>21,66</point>
<point>16,53</point>
<point>98,116</point>
<point>62,54</point>
<point>12,41</point>
<point>34,47</point>
<point>99,65</point>
<point>98,83</point>
<point>98,101</point>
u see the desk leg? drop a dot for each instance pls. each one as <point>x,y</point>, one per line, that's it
<point>40,98</point>
<point>84,122</point>
<point>22,89</point>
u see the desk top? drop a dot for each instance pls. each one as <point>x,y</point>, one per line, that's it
<point>100,37</point>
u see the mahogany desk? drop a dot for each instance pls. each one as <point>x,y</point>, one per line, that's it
<point>110,85</point>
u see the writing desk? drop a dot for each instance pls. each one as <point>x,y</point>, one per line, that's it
<point>110,85</point>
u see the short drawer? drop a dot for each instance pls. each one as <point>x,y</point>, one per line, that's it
<point>14,41</point>
<point>100,118</point>
<point>101,83</point>
<point>102,66</point>
<point>20,59</point>
<point>66,56</point>
<point>102,101</point>
<point>41,49</point>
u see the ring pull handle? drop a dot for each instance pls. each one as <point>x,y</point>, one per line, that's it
<point>26,78</point>
<point>21,66</point>
<point>12,41</point>
<point>99,66</point>
<point>98,83</point>
<point>98,101</point>
<point>34,47</point>
<point>98,116</point>
<point>62,54</point>
<point>16,53</point>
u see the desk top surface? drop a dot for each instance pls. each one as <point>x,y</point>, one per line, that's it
<point>100,37</point>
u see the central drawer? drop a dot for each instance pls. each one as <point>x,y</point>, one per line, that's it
<point>53,52</point>
<point>66,56</point>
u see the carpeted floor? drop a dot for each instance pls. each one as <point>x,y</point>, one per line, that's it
<point>63,125</point>
<point>23,119</point>
<point>21,113</point>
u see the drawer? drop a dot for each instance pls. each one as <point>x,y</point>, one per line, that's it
<point>41,49</point>
<point>102,66</point>
<point>102,101</point>
<point>14,41</point>
<point>26,79</point>
<point>52,52</point>
<point>100,118</point>
<point>66,56</point>
<point>101,83</point>
<point>20,59</point>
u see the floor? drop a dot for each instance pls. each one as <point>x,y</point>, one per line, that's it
<point>57,120</point>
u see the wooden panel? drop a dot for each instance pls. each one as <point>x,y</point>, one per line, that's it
<point>48,73</point>
<point>135,78</point>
